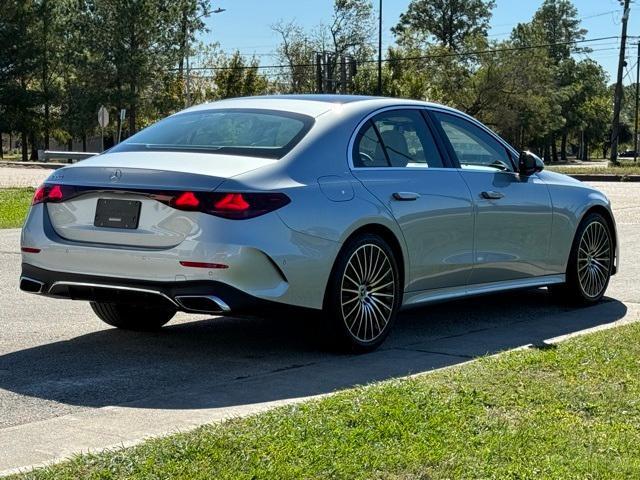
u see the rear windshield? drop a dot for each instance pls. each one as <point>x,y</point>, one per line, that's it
<point>255,133</point>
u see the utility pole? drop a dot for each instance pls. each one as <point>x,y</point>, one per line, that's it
<point>635,132</point>
<point>617,104</point>
<point>380,49</point>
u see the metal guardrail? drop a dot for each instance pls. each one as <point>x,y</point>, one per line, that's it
<point>46,155</point>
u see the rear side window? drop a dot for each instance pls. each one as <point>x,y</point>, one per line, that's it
<point>258,133</point>
<point>398,138</point>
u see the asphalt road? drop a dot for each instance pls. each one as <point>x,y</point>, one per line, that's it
<point>68,383</point>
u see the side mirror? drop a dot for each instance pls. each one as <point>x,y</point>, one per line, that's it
<point>529,163</point>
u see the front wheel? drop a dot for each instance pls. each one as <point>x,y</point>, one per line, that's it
<point>133,317</point>
<point>363,295</point>
<point>590,262</point>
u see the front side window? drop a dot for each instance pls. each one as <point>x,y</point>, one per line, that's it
<point>259,133</point>
<point>472,145</point>
<point>398,138</point>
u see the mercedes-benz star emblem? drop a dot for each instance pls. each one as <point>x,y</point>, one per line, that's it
<point>115,176</point>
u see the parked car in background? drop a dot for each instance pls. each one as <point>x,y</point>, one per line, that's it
<point>352,207</point>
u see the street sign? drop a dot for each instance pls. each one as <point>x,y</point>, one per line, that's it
<point>123,113</point>
<point>103,117</point>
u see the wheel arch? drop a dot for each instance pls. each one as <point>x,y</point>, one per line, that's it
<point>608,216</point>
<point>388,236</point>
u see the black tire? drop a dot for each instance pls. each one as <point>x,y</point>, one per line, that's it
<point>376,302</point>
<point>133,317</point>
<point>589,269</point>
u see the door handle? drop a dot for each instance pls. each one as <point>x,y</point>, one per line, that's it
<point>406,196</point>
<point>491,195</point>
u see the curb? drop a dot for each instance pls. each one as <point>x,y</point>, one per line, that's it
<point>594,177</point>
<point>46,165</point>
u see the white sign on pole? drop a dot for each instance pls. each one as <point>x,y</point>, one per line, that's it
<point>103,117</point>
<point>123,113</point>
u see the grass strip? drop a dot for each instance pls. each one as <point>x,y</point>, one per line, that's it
<point>14,205</point>
<point>571,411</point>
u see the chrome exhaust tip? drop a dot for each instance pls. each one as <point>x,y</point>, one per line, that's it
<point>202,304</point>
<point>30,285</point>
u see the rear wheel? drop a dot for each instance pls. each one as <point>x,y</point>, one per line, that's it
<point>133,317</point>
<point>363,295</point>
<point>590,262</point>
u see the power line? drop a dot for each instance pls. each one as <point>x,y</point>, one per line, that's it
<point>428,57</point>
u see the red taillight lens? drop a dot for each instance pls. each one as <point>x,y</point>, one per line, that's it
<point>233,202</point>
<point>238,206</point>
<point>186,201</point>
<point>39,195</point>
<point>231,205</point>
<point>49,193</point>
<point>55,194</point>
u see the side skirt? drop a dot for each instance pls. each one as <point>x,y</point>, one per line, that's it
<point>414,299</point>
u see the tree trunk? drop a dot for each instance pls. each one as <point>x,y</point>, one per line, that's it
<point>24,147</point>
<point>34,148</point>
<point>132,119</point>
<point>547,154</point>
<point>2,147</point>
<point>563,146</point>
<point>47,117</point>
<point>554,150</point>
<point>84,142</point>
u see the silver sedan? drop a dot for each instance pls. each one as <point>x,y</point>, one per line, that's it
<point>351,207</point>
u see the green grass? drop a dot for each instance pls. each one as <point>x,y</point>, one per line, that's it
<point>14,205</point>
<point>623,170</point>
<point>567,412</point>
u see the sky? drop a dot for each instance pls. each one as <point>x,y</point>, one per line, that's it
<point>246,25</point>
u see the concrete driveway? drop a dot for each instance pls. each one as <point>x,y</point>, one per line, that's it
<point>70,384</point>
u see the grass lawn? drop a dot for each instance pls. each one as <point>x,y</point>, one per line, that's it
<point>627,167</point>
<point>597,170</point>
<point>567,412</point>
<point>14,204</point>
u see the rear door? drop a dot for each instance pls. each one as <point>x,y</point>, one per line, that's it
<point>398,160</point>
<point>513,212</point>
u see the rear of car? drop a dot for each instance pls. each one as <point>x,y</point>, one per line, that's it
<point>152,224</point>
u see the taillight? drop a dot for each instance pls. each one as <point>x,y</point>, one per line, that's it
<point>49,193</point>
<point>39,195</point>
<point>185,201</point>
<point>231,205</point>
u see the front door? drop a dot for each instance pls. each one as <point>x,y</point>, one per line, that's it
<point>397,160</point>
<point>513,213</point>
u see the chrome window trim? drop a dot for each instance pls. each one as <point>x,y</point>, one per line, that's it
<point>368,117</point>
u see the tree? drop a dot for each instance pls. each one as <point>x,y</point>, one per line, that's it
<point>18,69</point>
<point>349,33</point>
<point>449,23</point>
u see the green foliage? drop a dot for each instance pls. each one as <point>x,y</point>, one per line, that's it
<point>449,23</point>
<point>570,411</point>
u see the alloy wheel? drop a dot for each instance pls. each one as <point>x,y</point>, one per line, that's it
<point>594,259</point>
<point>367,292</point>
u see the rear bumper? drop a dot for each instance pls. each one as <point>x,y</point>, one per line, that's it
<point>266,260</point>
<point>198,296</point>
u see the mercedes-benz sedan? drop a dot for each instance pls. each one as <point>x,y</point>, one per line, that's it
<point>354,207</point>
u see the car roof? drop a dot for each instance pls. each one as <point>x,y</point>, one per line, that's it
<point>308,104</point>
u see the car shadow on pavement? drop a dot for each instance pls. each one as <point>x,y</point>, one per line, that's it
<point>224,362</point>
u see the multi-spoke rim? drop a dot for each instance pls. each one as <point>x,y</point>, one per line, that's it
<point>367,292</point>
<point>594,259</point>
